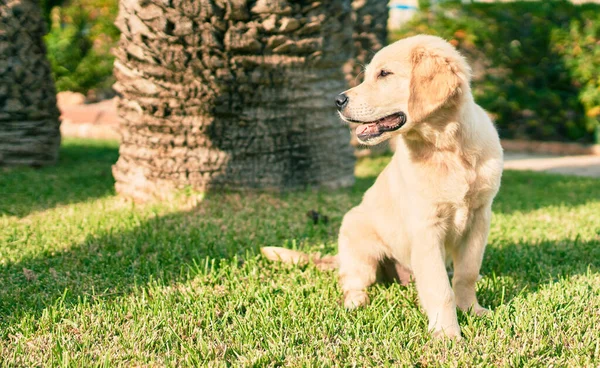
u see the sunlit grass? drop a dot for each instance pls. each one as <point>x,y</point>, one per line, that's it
<point>91,279</point>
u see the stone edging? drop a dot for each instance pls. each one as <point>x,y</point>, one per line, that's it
<point>556,148</point>
<point>513,145</point>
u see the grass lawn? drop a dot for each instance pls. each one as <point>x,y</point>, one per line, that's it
<point>90,279</point>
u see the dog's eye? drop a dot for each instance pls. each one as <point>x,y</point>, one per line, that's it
<point>383,73</point>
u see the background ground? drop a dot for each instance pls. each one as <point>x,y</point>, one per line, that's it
<point>90,279</point>
<point>99,120</point>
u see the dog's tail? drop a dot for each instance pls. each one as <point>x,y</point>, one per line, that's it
<point>388,271</point>
<point>285,255</point>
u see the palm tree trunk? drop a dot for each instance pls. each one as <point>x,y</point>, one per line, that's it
<point>370,35</point>
<point>29,124</point>
<point>231,96</point>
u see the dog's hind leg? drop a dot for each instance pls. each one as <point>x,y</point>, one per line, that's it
<point>360,251</point>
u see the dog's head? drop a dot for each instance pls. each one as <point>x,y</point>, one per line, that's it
<point>410,81</point>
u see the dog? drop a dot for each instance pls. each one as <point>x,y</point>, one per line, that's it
<point>431,205</point>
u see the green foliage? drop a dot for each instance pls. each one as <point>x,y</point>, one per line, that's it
<point>79,44</point>
<point>47,6</point>
<point>536,64</point>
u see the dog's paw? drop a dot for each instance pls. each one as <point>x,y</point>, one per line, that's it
<point>445,325</point>
<point>355,299</point>
<point>447,333</point>
<point>478,310</point>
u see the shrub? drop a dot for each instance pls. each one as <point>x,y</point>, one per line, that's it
<point>79,44</point>
<point>536,64</point>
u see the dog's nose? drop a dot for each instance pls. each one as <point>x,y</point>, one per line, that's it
<point>341,101</point>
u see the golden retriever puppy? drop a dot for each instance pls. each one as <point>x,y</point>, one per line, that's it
<point>432,204</point>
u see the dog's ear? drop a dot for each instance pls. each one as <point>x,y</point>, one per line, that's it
<point>434,83</point>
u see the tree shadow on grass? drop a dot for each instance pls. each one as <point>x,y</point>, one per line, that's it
<point>83,172</point>
<point>526,191</point>
<point>527,267</point>
<point>231,227</point>
<point>168,249</point>
<point>520,191</point>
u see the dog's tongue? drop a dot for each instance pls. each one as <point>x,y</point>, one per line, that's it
<point>376,128</point>
<point>382,125</point>
<point>367,129</point>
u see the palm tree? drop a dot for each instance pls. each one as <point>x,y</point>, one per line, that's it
<point>370,35</point>
<point>235,94</point>
<point>29,124</point>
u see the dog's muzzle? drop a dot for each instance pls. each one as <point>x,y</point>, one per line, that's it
<point>370,130</point>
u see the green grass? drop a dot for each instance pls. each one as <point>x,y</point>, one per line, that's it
<point>88,278</point>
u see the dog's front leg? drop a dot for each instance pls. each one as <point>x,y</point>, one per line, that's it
<point>359,254</point>
<point>467,259</point>
<point>433,285</point>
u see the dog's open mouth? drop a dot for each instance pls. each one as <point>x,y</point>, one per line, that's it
<point>369,130</point>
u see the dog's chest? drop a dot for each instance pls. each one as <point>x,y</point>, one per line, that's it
<point>472,188</point>
<point>456,221</point>
<point>456,188</point>
<point>446,180</point>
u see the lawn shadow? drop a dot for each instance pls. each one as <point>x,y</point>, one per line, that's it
<point>527,267</point>
<point>520,191</point>
<point>526,191</point>
<point>176,247</point>
<point>169,249</point>
<point>83,172</point>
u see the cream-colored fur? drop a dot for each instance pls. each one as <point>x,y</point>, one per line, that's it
<point>432,203</point>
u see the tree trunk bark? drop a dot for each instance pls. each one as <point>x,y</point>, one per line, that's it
<point>369,36</point>
<point>231,94</point>
<point>29,124</point>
